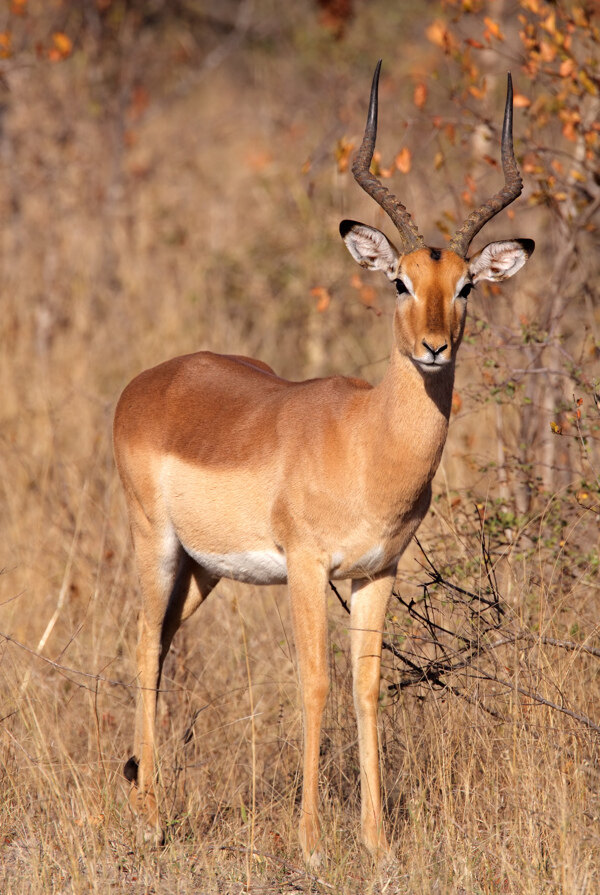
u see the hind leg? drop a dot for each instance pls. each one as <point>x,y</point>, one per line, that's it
<point>172,588</point>
<point>192,586</point>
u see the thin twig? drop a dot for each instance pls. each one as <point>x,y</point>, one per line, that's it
<point>449,660</point>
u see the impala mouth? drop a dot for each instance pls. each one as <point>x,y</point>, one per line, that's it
<point>431,364</point>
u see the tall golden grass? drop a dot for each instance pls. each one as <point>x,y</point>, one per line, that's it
<point>132,234</point>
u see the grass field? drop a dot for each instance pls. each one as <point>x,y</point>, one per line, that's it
<point>179,190</point>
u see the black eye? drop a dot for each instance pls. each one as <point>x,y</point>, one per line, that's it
<point>400,287</point>
<point>464,292</point>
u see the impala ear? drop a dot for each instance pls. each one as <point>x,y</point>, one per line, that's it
<point>370,247</point>
<point>500,260</point>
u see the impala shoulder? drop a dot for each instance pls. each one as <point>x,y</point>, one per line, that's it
<point>344,385</point>
<point>360,384</point>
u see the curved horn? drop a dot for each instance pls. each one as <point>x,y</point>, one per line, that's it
<point>411,238</point>
<point>513,185</point>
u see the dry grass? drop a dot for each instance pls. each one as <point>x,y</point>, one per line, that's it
<point>130,239</point>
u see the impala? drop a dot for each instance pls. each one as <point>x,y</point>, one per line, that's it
<point>230,471</point>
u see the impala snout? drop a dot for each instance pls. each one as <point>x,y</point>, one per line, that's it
<point>434,353</point>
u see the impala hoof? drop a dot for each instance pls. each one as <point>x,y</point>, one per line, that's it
<point>149,835</point>
<point>383,854</point>
<point>145,809</point>
<point>310,840</point>
<point>315,860</point>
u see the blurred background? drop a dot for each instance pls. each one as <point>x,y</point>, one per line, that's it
<point>173,178</point>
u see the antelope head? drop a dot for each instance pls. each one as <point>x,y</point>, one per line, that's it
<point>432,285</point>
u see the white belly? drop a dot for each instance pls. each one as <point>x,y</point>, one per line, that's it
<point>368,564</point>
<point>270,566</point>
<point>250,566</point>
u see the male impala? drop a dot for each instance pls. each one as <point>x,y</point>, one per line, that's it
<point>230,471</point>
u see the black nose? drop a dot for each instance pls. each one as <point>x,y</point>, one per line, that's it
<point>435,351</point>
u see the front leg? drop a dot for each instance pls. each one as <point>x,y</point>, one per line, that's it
<point>307,580</point>
<point>369,605</point>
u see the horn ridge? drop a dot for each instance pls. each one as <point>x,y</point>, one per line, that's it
<point>392,206</point>
<point>513,184</point>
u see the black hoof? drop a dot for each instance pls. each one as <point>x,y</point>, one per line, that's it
<point>130,770</point>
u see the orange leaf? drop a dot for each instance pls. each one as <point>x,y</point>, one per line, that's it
<point>567,67</point>
<point>520,101</point>
<point>547,51</point>
<point>420,96</point>
<point>478,92</point>
<point>476,44</point>
<point>403,160</point>
<point>5,44</point>
<point>456,402</point>
<point>342,152</point>
<point>437,33</point>
<point>63,46</point>
<point>323,297</point>
<point>493,27</point>
<point>368,296</point>
<point>376,163</point>
<point>550,23</point>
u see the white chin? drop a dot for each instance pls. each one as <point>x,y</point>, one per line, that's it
<point>429,368</point>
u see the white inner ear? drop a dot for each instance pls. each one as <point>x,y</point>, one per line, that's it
<point>498,261</point>
<point>372,249</point>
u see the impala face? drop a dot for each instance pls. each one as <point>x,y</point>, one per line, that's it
<point>431,307</point>
<point>432,287</point>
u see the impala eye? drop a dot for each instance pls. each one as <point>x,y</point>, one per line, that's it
<point>464,292</point>
<point>400,287</point>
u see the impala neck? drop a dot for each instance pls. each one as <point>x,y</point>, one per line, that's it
<point>416,408</point>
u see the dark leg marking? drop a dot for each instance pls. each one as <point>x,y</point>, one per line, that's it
<point>130,769</point>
